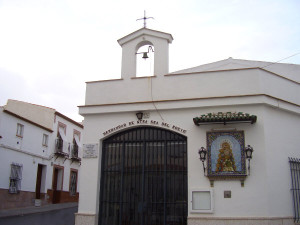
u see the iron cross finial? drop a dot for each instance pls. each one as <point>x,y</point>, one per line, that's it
<point>145,18</point>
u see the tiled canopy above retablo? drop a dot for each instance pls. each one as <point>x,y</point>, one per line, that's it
<point>224,118</point>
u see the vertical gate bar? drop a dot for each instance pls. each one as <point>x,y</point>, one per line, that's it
<point>174,171</point>
<point>297,189</point>
<point>296,172</point>
<point>185,194</point>
<point>125,185</point>
<point>183,180</point>
<point>113,182</point>
<point>295,168</point>
<point>135,188</point>
<point>156,180</point>
<point>106,172</point>
<point>128,183</point>
<point>152,179</point>
<point>129,171</point>
<point>297,163</point>
<point>122,158</point>
<point>146,191</point>
<point>165,181</point>
<point>139,174</point>
<point>143,180</point>
<point>169,178</point>
<point>116,184</point>
<point>159,181</point>
<point>175,175</point>
<point>131,195</point>
<point>117,202</point>
<point>292,165</point>
<point>185,189</point>
<point>136,218</point>
<point>149,201</point>
<point>294,190</point>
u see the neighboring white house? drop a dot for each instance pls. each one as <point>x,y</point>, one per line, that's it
<point>40,155</point>
<point>147,170</point>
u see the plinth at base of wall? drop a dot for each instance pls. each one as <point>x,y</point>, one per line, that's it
<point>85,219</point>
<point>90,219</point>
<point>241,221</point>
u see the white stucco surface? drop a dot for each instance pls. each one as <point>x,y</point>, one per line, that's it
<point>131,43</point>
<point>28,150</point>
<point>271,93</point>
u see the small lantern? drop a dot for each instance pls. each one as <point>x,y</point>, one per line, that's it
<point>248,153</point>
<point>139,115</point>
<point>202,153</point>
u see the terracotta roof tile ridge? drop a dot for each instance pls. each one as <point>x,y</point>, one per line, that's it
<point>32,104</point>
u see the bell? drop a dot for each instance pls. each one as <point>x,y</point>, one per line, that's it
<point>145,56</point>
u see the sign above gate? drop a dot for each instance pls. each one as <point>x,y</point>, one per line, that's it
<point>145,122</point>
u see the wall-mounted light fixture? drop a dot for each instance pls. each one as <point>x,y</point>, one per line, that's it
<point>139,115</point>
<point>145,54</point>
<point>202,153</point>
<point>248,153</point>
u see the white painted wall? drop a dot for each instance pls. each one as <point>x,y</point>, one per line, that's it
<point>265,189</point>
<point>200,85</point>
<point>282,131</point>
<point>259,196</point>
<point>30,152</point>
<point>181,97</point>
<point>132,42</point>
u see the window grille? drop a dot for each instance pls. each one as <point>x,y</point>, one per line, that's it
<point>59,144</point>
<point>15,178</point>
<point>74,149</point>
<point>295,174</point>
<point>73,184</point>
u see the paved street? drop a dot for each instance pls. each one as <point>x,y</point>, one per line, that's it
<point>58,214</point>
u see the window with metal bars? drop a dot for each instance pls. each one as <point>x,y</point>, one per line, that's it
<point>144,178</point>
<point>15,178</point>
<point>73,182</point>
<point>295,174</point>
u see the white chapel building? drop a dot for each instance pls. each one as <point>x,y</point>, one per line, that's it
<point>175,148</point>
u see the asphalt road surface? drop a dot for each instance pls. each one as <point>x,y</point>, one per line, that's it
<point>55,217</point>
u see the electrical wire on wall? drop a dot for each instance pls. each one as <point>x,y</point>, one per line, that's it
<point>280,60</point>
<point>153,101</point>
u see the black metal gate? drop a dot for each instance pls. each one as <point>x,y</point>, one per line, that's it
<point>295,173</point>
<point>144,178</point>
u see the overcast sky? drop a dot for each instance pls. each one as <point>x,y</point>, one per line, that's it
<point>50,48</point>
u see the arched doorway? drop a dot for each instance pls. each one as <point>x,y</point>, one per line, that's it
<point>144,178</point>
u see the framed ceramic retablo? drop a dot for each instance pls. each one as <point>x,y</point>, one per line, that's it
<point>226,154</point>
